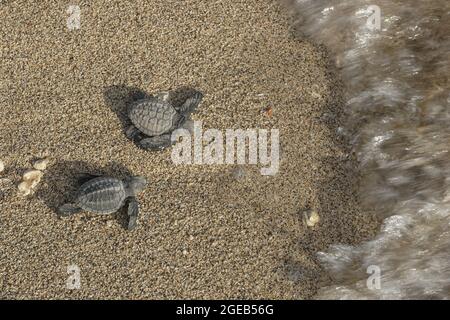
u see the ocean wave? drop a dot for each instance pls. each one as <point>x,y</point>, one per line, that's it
<point>394,60</point>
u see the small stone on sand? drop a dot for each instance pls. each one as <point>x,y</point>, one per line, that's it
<point>268,112</point>
<point>2,166</point>
<point>311,217</point>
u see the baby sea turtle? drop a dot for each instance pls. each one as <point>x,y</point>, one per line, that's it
<point>156,117</point>
<point>105,195</point>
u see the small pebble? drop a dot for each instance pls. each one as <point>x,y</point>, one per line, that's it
<point>311,218</point>
<point>2,166</point>
<point>268,112</point>
<point>41,164</point>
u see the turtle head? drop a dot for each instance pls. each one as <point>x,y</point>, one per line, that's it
<point>135,184</point>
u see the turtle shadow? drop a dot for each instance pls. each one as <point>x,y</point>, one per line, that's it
<point>62,179</point>
<point>119,98</point>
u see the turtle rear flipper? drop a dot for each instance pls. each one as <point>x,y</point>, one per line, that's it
<point>191,103</point>
<point>85,177</point>
<point>68,209</point>
<point>156,142</point>
<point>133,212</point>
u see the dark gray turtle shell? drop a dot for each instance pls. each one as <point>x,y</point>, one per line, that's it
<point>102,195</point>
<point>154,117</point>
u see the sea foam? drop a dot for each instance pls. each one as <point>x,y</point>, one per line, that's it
<point>397,97</point>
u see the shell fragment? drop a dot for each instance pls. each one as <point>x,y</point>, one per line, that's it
<point>41,164</point>
<point>311,218</point>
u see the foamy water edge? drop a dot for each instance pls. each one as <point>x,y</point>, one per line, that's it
<point>397,103</point>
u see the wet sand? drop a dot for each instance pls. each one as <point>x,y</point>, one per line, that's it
<point>204,230</point>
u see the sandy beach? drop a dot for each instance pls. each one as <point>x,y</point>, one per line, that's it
<point>205,231</point>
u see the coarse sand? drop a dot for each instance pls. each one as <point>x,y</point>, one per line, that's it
<point>205,231</point>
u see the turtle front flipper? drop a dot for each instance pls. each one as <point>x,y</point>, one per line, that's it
<point>156,143</point>
<point>68,209</point>
<point>191,103</point>
<point>134,134</point>
<point>133,212</point>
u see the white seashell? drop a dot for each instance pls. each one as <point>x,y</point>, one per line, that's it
<point>41,164</point>
<point>24,188</point>
<point>33,177</point>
